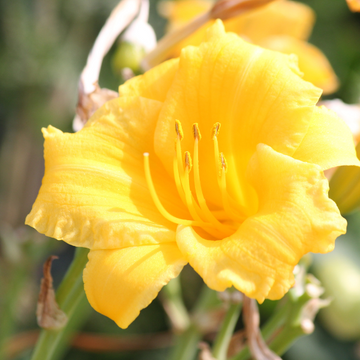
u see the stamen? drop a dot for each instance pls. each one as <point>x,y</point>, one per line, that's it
<point>215,133</point>
<point>216,130</point>
<point>177,180</point>
<point>198,189</point>
<point>193,207</point>
<point>186,186</point>
<point>199,211</point>
<point>224,195</point>
<point>196,130</point>
<point>180,135</point>
<point>188,161</point>
<point>179,168</point>
<point>222,166</point>
<point>223,162</point>
<point>157,202</point>
<point>179,130</point>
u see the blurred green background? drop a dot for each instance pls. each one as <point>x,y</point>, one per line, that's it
<point>43,48</point>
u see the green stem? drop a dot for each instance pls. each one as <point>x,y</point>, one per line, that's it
<point>71,298</point>
<point>18,277</point>
<point>208,299</point>
<point>186,345</point>
<point>285,339</point>
<point>223,338</point>
<point>175,307</point>
<point>276,321</point>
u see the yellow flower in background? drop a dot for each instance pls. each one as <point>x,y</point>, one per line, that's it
<point>281,26</point>
<point>354,5</point>
<point>241,204</point>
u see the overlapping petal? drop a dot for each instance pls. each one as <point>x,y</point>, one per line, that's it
<point>281,25</point>
<point>295,216</point>
<point>180,13</point>
<point>121,282</point>
<point>277,18</point>
<point>94,193</point>
<point>154,84</point>
<point>328,141</point>
<point>312,62</point>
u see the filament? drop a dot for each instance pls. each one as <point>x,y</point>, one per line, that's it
<point>157,202</point>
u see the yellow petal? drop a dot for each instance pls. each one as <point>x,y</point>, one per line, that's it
<point>181,11</point>
<point>120,283</point>
<point>312,62</point>
<point>154,84</point>
<point>256,94</point>
<point>328,142</point>
<point>295,216</point>
<point>278,18</point>
<point>354,5</point>
<point>94,193</point>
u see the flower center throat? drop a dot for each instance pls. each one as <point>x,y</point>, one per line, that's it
<point>218,224</point>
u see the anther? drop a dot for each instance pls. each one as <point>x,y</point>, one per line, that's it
<point>179,130</point>
<point>196,131</point>
<point>223,162</point>
<point>216,130</point>
<point>188,161</point>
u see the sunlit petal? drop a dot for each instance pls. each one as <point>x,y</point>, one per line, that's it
<point>328,141</point>
<point>119,283</point>
<point>312,62</point>
<point>154,84</point>
<point>278,18</point>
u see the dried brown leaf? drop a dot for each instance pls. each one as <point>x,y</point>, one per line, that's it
<point>89,103</point>
<point>48,313</point>
<point>209,321</point>
<point>257,345</point>
<point>205,352</point>
<point>309,312</point>
<point>237,343</point>
<point>91,96</point>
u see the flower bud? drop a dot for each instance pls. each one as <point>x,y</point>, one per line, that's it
<point>127,55</point>
<point>345,187</point>
<point>137,41</point>
<point>341,279</point>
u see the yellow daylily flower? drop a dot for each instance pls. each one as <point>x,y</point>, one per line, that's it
<point>281,25</point>
<point>242,204</point>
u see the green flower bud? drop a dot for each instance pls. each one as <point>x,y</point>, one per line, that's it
<point>128,55</point>
<point>345,187</point>
<point>340,277</point>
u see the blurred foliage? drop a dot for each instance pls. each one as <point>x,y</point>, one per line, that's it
<point>43,48</point>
